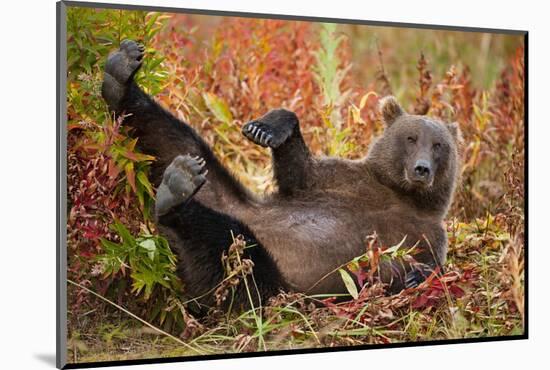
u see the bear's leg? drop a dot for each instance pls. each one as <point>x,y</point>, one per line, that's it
<point>120,69</point>
<point>280,130</point>
<point>160,133</point>
<point>200,235</point>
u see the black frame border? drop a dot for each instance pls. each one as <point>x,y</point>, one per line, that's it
<point>61,188</point>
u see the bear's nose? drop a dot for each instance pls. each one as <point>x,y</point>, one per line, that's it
<point>422,168</point>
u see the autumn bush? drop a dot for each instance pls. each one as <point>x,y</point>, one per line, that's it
<point>216,74</point>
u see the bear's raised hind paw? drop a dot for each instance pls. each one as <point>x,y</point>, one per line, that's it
<point>120,68</point>
<point>182,179</point>
<point>124,63</point>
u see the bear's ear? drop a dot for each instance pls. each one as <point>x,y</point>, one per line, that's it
<point>390,109</point>
<point>454,129</point>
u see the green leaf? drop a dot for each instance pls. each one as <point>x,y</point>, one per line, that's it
<point>155,63</point>
<point>218,107</point>
<point>143,180</point>
<point>350,284</point>
<point>150,246</point>
<point>130,175</point>
<point>109,246</point>
<point>123,232</point>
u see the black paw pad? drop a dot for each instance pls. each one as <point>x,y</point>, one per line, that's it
<point>125,62</point>
<point>182,179</point>
<point>185,175</point>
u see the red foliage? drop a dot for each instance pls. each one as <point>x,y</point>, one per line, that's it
<point>93,204</point>
<point>508,107</point>
<point>253,65</point>
<point>438,288</point>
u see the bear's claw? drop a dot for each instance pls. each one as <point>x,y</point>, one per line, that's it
<point>258,133</point>
<point>417,275</point>
<point>263,134</point>
<point>272,129</point>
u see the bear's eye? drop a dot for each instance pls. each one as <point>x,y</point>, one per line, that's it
<point>437,146</point>
<point>411,140</point>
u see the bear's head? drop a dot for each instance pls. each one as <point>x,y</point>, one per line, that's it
<point>417,156</point>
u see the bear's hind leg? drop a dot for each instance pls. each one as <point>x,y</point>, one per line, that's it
<point>120,68</point>
<point>160,133</point>
<point>200,235</point>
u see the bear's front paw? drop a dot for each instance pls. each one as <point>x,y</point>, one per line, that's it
<point>260,134</point>
<point>272,129</point>
<point>266,134</point>
<point>417,275</point>
<point>182,179</point>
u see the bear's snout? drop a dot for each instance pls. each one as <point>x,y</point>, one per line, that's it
<point>423,172</point>
<point>422,168</point>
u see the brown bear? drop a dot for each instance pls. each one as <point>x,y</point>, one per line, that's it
<point>323,210</point>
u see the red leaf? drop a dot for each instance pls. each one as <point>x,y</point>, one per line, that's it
<point>456,291</point>
<point>421,301</point>
<point>113,169</point>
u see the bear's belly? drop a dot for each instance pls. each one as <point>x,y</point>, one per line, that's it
<point>310,242</point>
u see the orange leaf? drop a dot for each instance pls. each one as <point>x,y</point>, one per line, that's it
<point>113,169</point>
<point>131,175</point>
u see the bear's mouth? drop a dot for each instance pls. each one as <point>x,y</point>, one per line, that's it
<point>417,182</point>
<point>423,183</point>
